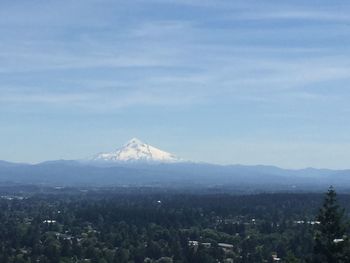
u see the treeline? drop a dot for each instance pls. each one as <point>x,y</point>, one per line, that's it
<point>107,227</point>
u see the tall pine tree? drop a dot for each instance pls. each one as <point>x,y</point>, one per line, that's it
<point>330,238</point>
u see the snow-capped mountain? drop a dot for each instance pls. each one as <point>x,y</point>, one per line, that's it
<point>135,151</point>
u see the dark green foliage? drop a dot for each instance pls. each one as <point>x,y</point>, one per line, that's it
<point>112,227</point>
<point>330,239</point>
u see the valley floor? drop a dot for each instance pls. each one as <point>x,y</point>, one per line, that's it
<point>147,225</point>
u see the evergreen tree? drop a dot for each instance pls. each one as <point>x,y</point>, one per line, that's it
<point>330,239</point>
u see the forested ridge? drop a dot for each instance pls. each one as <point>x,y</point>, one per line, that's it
<point>110,226</point>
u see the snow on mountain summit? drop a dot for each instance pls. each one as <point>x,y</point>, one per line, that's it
<point>136,150</point>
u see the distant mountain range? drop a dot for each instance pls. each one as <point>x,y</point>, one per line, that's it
<point>140,164</point>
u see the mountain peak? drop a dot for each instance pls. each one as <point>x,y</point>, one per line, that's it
<point>136,151</point>
<point>134,141</point>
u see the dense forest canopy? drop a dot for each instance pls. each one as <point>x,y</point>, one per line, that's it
<point>148,225</point>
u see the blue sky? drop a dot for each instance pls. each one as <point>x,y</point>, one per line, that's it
<point>250,82</point>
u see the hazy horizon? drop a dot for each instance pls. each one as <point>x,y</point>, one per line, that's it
<point>226,82</point>
<point>107,151</point>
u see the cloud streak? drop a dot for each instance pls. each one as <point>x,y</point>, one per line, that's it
<point>196,66</point>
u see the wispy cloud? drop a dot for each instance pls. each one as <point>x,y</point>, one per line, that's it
<point>222,68</point>
<point>305,15</point>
